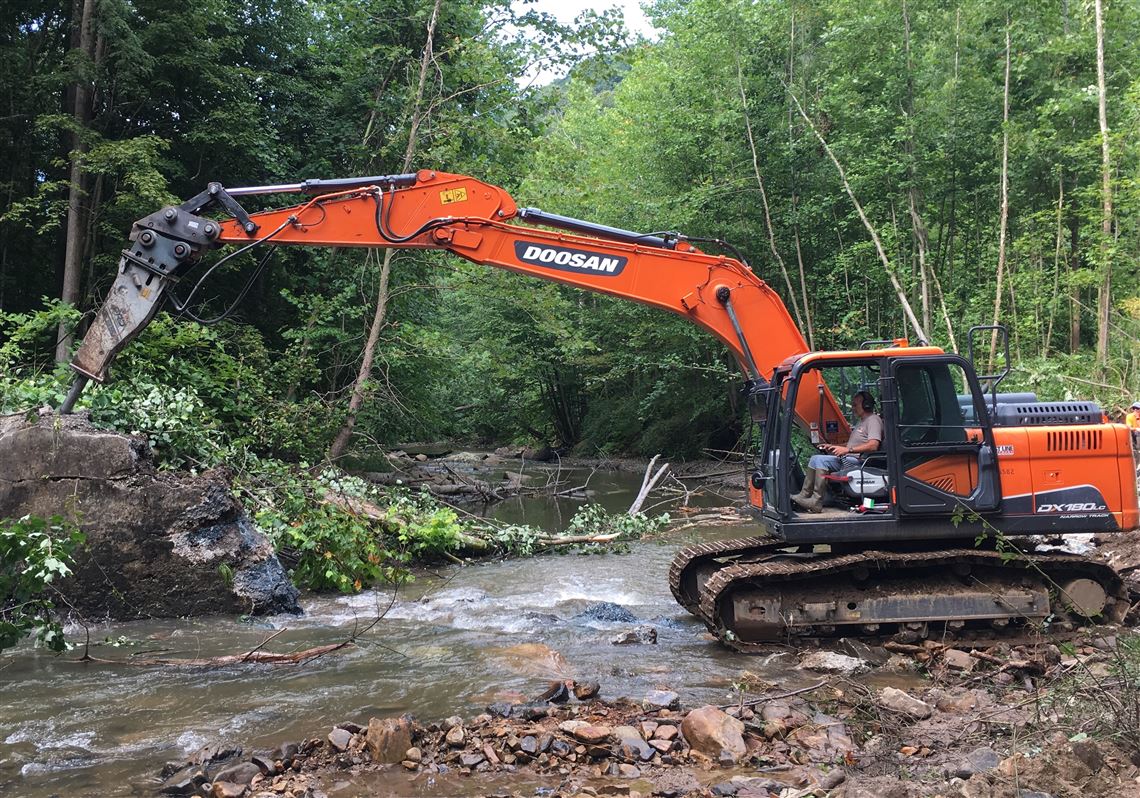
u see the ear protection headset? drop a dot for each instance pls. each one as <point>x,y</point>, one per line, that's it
<point>866,400</point>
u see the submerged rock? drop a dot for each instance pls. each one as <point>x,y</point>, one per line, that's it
<point>643,635</point>
<point>159,544</point>
<point>607,612</point>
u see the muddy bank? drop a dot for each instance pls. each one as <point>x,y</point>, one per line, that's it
<point>158,544</point>
<point>1031,721</point>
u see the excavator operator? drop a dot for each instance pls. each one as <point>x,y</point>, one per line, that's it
<point>866,437</point>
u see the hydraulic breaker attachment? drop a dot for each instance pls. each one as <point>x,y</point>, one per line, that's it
<point>162,246</point>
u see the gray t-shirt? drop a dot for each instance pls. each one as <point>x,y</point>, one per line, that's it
<point>870,428</point>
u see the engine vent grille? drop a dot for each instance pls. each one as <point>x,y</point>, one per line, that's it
<point>1047,414</point>
<point>1074,440</point>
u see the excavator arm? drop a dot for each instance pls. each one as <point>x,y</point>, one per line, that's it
<point>476,221</point>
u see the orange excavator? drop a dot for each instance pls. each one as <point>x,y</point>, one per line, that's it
<point>925,536</point>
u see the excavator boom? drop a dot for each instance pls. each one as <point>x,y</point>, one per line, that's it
<point>479,222</point>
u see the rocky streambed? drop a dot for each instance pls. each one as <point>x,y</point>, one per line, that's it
<point>998,723</point>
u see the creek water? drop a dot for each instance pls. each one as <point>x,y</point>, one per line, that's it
<point>450,642</point>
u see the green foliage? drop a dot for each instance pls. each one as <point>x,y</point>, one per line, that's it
<point>593,520</point>
<point>33,553</point>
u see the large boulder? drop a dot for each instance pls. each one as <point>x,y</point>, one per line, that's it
<point>714,735</point>
<point>159,544</point>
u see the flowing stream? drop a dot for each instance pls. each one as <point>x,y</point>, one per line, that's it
<point>450,643</point>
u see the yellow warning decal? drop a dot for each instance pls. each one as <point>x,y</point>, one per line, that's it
<point>448,196</point>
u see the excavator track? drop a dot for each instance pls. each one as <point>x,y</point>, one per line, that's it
<point>910,595</point>
<point>692,565</point>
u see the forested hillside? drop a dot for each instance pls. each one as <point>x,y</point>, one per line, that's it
<point>891,168</point>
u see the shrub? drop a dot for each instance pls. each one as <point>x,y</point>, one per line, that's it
<point>33,553</point>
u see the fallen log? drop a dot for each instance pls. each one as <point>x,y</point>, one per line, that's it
<point>255,656</point>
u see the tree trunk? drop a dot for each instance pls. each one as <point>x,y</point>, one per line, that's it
<point>1074,289</point>
<point>1055,296</point>
<point>804,298</point>
<point>356,400</point>
<point>1004,223</point>
<point>84,44</point>
<point>919,332</point>
<point>1104,295</point>
<point>764,202</point>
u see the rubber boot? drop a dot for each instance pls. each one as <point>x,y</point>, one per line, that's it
<point>814,503</point>
<point>808,488</point>
<point>811,497</point>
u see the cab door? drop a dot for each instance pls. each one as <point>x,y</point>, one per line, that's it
<point>942,462</point>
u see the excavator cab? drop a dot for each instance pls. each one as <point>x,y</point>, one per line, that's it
<point>935,463</point>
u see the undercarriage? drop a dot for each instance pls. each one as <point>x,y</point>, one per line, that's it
<point>754,591</point>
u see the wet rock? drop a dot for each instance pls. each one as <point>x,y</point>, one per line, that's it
<point>639,635</point>
<point>661,699</point>
<point>470,760</point>
<point>957,660</point>
<point>340,739</point>
<point>241,773</point>
<point>265,764</point>
<point>388,739</point>
<point>710,732</point>
<point>592,735</point>
<point>631,746</point>
<point>530,711</point>
<point>529,745</point>
<point>545,741</point>
<point>154,540</point>
<point>556,693</point>
<point>184,782</point>
<point>875,655</point>
<point>980,760</point>
<point>352,728</point>
<point>499,709</point>
<point>284,752</point>
<point>456,737</point>
<point>725,789</point>
<point>584,691</point>
<point>227,789</point>
<point>898,701</point>
<point>833,662</point>
<point>1089,753</point>
<point>213,754</point>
